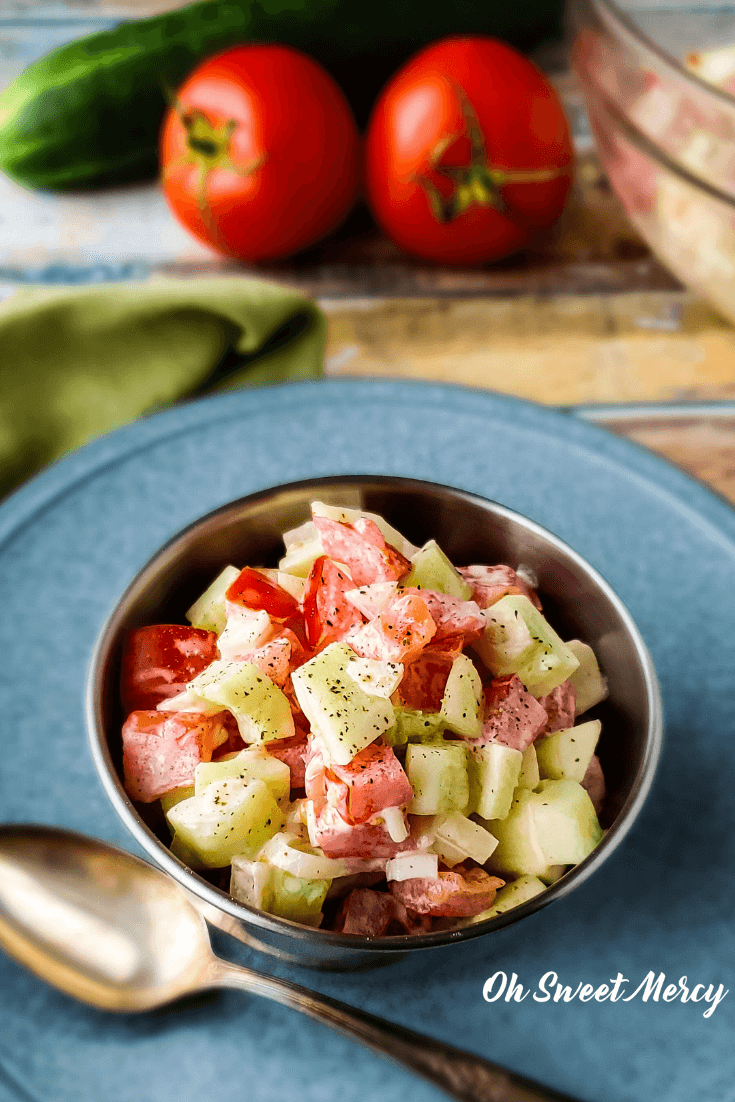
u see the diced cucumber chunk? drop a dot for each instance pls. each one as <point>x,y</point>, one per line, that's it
<point>413,726</point>
<point>506,641</point>
<point>208,612</point>
<point>552,873</point>
<point>271,889</point>
<point>529,775</point>
<point>456,838</point>
<point>230,817</point>
<point>494,771</point>
<point>438,776</point>
<point>345,716</point>
<point>300,557</point>
<point>512,895</point>
<point>565,820</point>
<point>589,684</point>
<point>565,755</point>
<point>247,765</point>
<point>171,799</point>
<point>262,711</point>
<point>547,669</point>
<point>175,796</point>
<point>188,856</point>
<point>460,707</point>
<point>431,569</point>
<point>296,897</point>
<point>519,849</point>
<point>518,639</point>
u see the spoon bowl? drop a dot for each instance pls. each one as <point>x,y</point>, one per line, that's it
<point>100,924</point>
<point>109,929</point>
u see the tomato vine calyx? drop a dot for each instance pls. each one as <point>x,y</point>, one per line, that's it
<point>208,148</point>
<point>477,184</point>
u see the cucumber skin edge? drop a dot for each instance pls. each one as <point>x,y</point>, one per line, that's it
<point>48,142</point>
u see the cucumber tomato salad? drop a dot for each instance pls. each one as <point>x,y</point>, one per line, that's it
<point>367,739</point>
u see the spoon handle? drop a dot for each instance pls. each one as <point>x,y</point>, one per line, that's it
<point>462,1075</point>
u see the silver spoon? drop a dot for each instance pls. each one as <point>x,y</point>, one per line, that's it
<point>111,930</point>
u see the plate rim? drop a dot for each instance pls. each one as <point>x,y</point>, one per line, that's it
<point>61,477</point>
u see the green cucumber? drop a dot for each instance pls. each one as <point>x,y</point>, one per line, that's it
<point>88,114</point>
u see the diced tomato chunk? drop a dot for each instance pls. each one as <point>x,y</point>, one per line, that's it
<point>295,631</point>
<point>272,658</point>
<point>368,913</point>
<point>338,838</point>
<point>372,781</point>
<point>452,616</point>
<point>455,894</point>
<point>490,583</point>
<point>594,783</point>
<point>161,750</point>
<point>293,752</point>
<point>253,590</point>
<point>362,548</point>
<point>159,660</point>
<point>328,614</point>
<point>399,633</point>
<point>425,679</point>
<point>559,706</point>
<point>511,715</point>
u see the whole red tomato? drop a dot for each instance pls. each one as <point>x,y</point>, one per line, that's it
<point>260,153</point>
<point>468,153</point>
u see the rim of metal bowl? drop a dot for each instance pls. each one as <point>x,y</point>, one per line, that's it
<point>396,943</point>
<point>623,26</point>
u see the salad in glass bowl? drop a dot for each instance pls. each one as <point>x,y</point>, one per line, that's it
<point>367,738</point>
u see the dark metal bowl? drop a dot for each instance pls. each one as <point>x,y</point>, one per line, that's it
<point>469,529</point>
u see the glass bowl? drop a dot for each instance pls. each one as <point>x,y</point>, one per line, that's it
<point>666,138</point>
<point>469,529</point>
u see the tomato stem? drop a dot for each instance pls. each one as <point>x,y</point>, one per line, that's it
<point>478,183</point>
<point>208,148</point>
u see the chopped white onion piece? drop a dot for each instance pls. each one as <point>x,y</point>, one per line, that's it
<point>395,822</point>
<point>248,881</point>
<point>371,599</point>
<point>296,818</point>
<point>246,629</point>
<point>456,833</point>
<point>279,851</point>
<point>411,866</point>
<point>296,536</point>
<point>375,677</point>
<point>527,574</point>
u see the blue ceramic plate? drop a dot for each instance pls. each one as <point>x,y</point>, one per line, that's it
<point>72,539</point>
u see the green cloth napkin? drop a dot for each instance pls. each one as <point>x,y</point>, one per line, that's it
<point>78,363</point>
